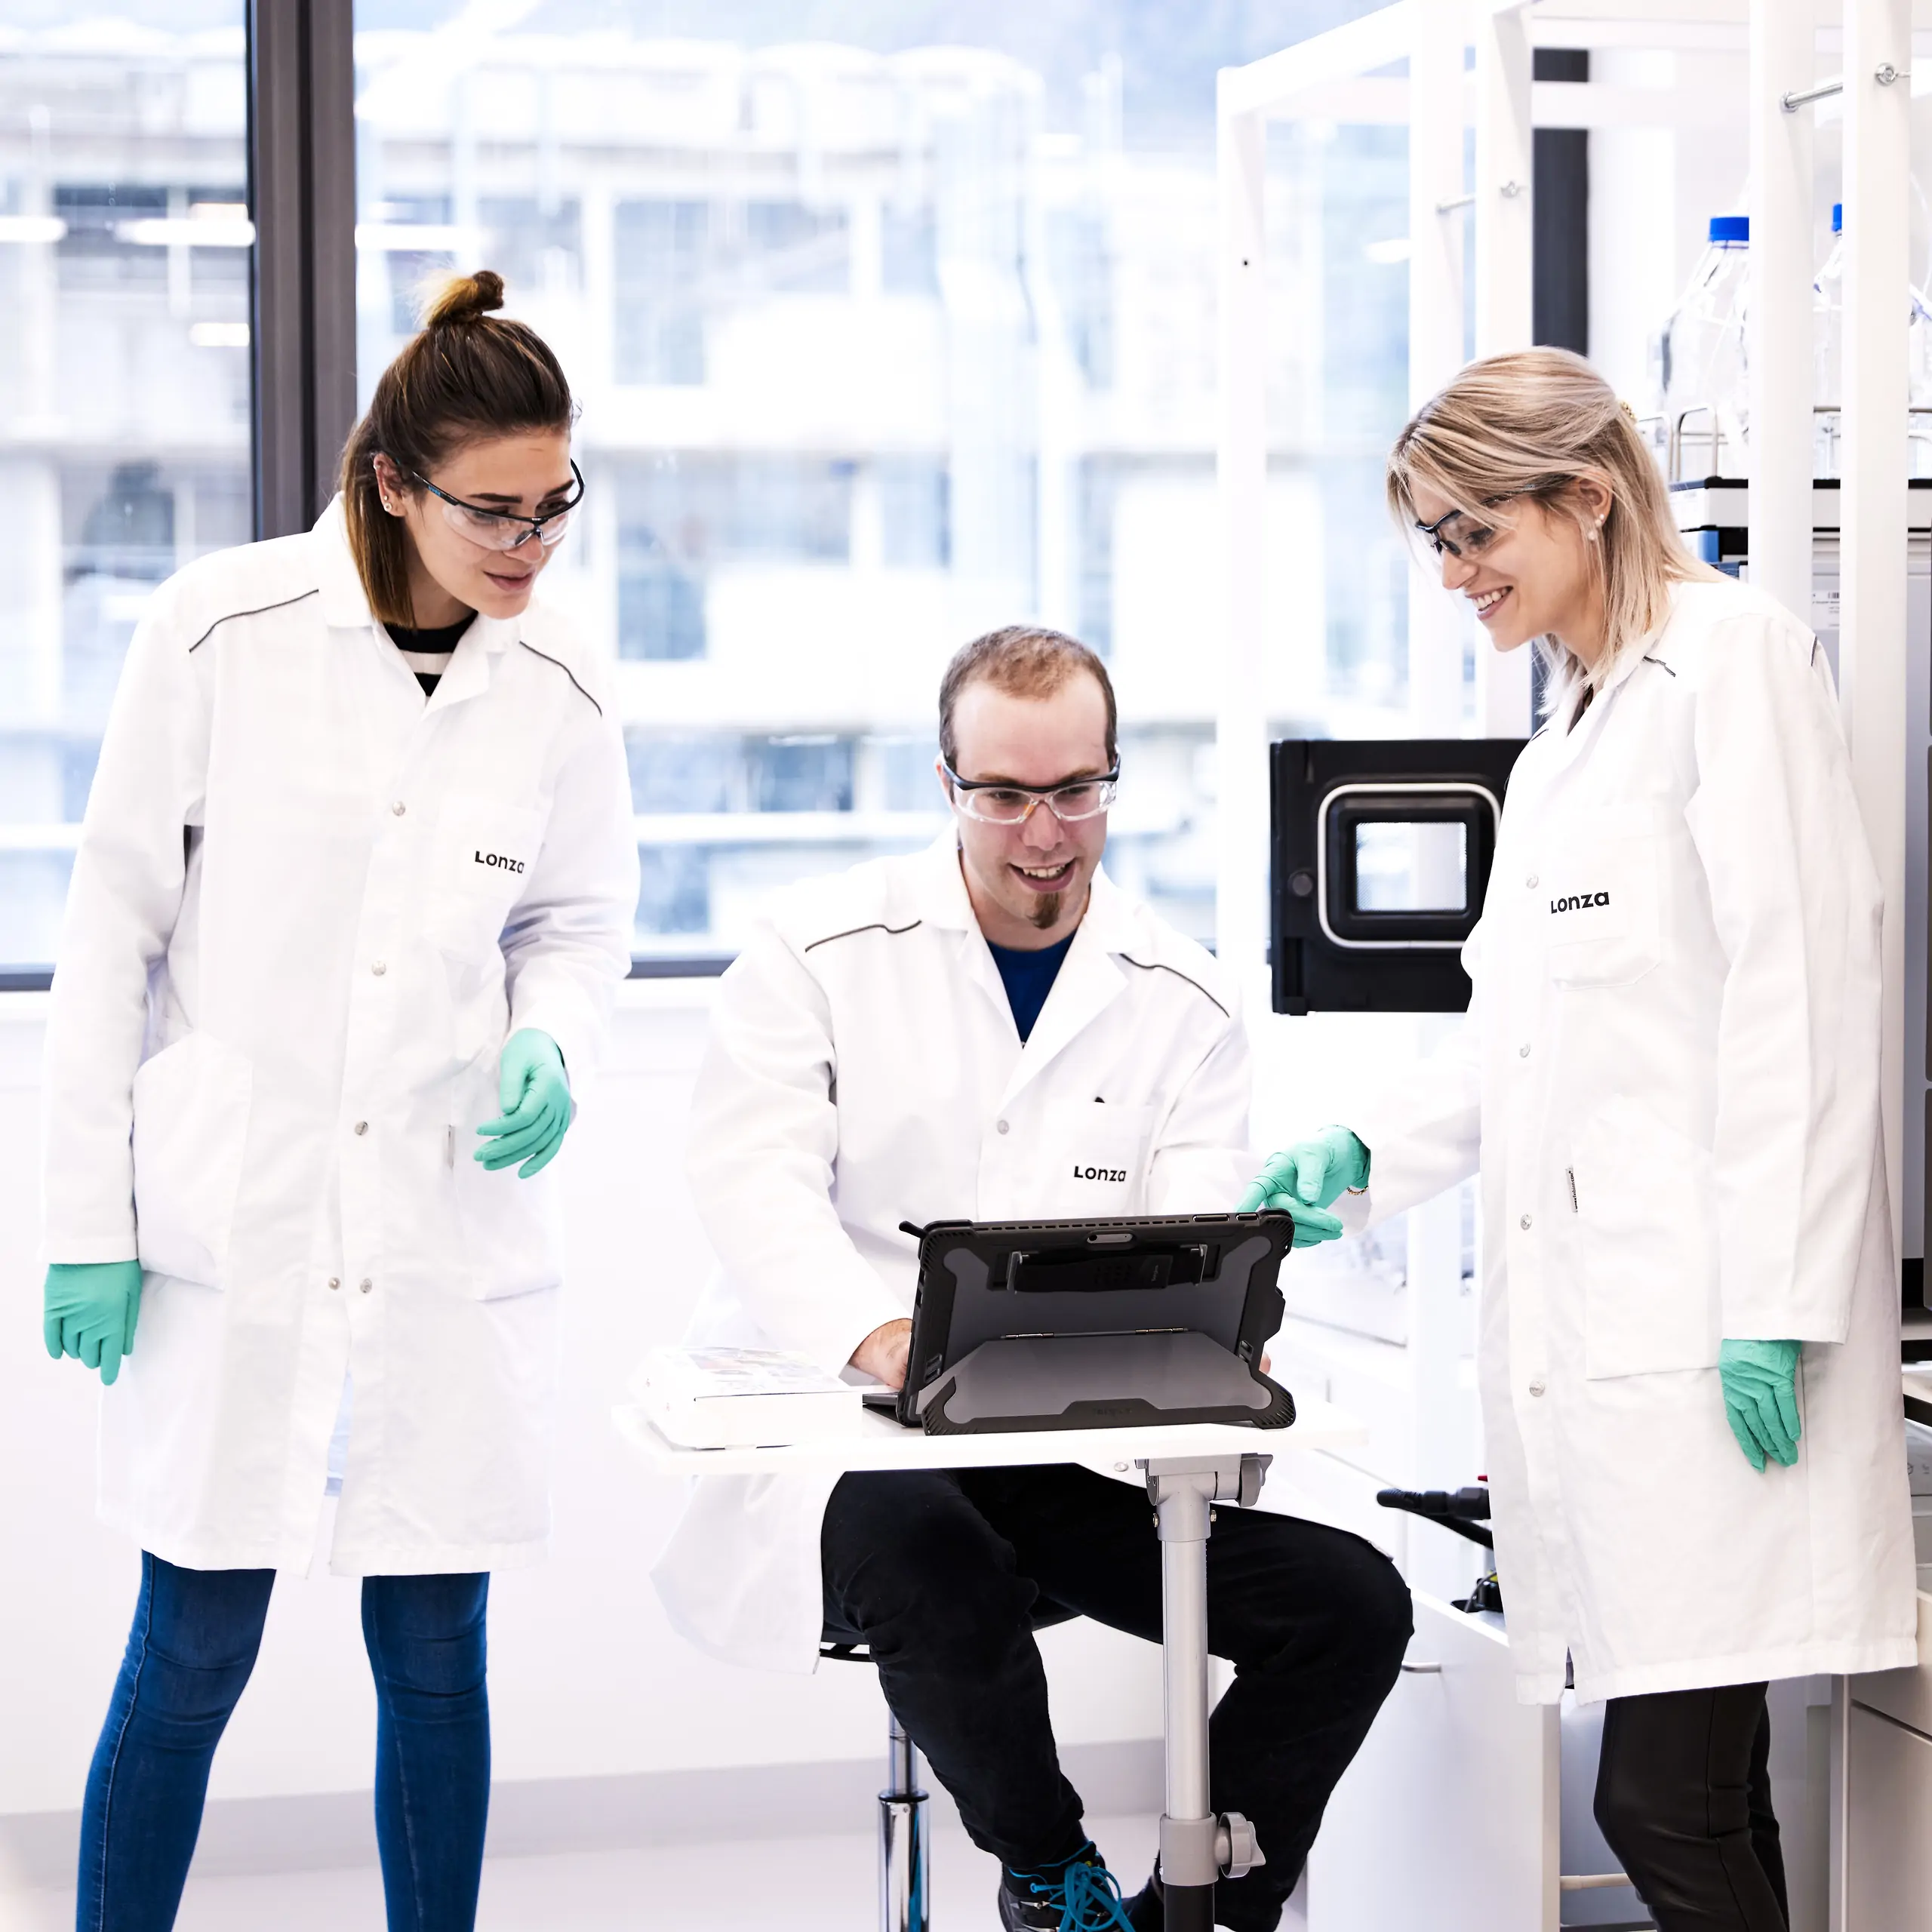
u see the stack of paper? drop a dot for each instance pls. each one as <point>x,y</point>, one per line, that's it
<point>744,1399</point>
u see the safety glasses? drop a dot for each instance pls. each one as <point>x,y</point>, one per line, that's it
<point>1460,535</point>
<point>996,804</point>
<point>505,530</point>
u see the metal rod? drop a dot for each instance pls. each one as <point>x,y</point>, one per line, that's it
<point>1189,1864</point>
<point>1453,203</point>
<point>1183,1520</point>
<point>904,1858</point>
<point>1592,1881</point>
<point>1803,97</point>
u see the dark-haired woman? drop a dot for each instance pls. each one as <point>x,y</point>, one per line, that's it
<point>354,886</point>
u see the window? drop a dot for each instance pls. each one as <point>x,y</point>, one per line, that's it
<point>125,400</point>
<point>879,342</point>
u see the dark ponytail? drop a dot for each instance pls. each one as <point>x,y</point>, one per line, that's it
<point>467,374</point>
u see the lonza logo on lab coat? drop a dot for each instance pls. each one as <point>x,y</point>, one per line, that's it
<point>499,861</point>
<point>1578,900</point>
<point>1099,1173</point>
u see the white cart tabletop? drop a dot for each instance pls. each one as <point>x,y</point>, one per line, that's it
<point>883,1444</point>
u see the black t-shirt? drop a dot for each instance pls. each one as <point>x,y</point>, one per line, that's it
<point>427,652</point>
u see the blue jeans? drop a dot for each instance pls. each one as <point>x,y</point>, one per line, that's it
<point>193,1643</point>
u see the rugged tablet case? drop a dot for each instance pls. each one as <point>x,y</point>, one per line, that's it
<point>1096,1324</point>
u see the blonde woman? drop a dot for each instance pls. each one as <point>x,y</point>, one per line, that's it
<point>1669,1083</point>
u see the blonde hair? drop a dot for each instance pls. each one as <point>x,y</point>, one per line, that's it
<point>467,374</point>
<point>1534,423</point>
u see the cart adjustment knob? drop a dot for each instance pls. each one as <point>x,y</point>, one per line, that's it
<point>1235,1850</point>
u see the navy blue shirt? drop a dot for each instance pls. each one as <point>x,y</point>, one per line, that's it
<point>1028,977</point>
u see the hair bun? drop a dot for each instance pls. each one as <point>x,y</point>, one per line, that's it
<point>465,298</point>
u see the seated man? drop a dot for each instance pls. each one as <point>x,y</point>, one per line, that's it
<point>992,1030</point>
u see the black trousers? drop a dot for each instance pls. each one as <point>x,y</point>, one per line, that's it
<point>1683,1797</point>
<point>944,1573</point>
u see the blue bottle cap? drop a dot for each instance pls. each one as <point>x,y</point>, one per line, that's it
<point>1838,217</point>
<point>1730,228</point>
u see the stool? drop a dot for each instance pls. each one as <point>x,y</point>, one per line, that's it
<point>904,1849</point>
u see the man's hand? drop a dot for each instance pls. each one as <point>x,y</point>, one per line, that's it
<point>882,1354</point>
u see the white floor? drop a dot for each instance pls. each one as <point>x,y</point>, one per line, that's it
<point>816,1885</point>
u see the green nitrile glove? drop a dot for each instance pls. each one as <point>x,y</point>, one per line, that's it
<point>1760,1382</point>
<point>535,1092</point>
<point>1304,1180</point>
<point>89,1311</point>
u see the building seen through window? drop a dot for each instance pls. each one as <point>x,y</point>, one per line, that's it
<point>125,246</point>
<point>880,343</point>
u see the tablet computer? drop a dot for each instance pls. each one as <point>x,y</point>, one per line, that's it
<point>1096,1323</point>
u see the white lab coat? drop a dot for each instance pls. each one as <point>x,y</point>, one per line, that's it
<point>864,1069</point>
<point>307,909</point>
<point>1669,1079</point>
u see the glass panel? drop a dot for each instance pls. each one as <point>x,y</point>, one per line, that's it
<point>1419,866</point>
<point>881,344</point>
<point>125,248</point>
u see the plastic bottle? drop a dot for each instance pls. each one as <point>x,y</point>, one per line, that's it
<point>1828,359</point>
<point>1828,351</point>
<point>1703,381</point>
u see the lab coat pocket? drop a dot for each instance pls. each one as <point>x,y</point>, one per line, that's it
<point>511,1228</point>
<point>1096,1155</point>
<point>1643,1251</point>
<point>1602,911</point>
<point>192,1104</point>
<point>481,858</point>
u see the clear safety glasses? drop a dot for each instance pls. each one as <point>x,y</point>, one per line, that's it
<point>505,530</point>
<point>1459,534</point>
<point>1013,804</point>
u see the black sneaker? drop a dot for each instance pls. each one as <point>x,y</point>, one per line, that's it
<point>1081,1896</point>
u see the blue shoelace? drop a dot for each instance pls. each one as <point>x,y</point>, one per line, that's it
<point>1087,1894</point>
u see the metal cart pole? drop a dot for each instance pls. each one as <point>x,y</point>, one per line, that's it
<point>1197,1846</point>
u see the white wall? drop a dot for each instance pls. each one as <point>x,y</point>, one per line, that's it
<point>586,1679</point>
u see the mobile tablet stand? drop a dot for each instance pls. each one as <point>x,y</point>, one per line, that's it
<point>1189,1467</point>
<point>1113,1346</point>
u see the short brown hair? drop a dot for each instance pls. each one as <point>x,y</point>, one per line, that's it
<point>466,374</point>
<point>1023,660</point>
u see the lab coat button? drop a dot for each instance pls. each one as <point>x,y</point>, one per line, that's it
<point>1536,1387</point>
<point>380,968</point>
<point>398,808</point>
<point>1531,882</point>
<point>1002,1126</point>
<point>1524,1223</point>
<point>361,1127</point>
<point>1523,1051</point>
<point>335,1280</point>
<point>365,1285</point>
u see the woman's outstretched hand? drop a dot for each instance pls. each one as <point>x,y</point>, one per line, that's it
<point>1304,1179</point>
